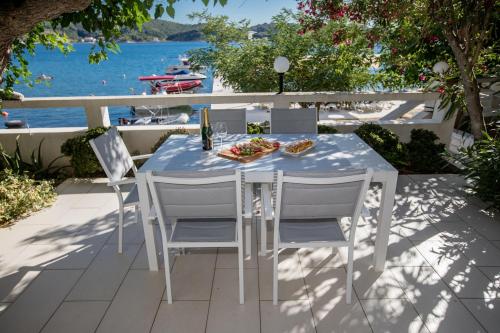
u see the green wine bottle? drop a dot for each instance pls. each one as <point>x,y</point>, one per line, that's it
<point>206,132</point>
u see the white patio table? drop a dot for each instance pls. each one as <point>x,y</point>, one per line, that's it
<point>333,152</point>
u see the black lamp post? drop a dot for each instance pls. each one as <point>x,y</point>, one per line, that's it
<point>281,66</point>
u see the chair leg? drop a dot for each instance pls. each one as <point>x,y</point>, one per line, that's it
<point>241,273</point>
<point>248,237</point>
<point>275,274</point>
<point>349,275</point>
<point>136,213</point>
<point>263,233</point>
<point>168,285</point>
<point>120,230</point>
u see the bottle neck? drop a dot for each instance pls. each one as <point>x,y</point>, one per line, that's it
<point>205,121</point>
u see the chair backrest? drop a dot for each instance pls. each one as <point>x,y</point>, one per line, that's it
<point>294,121</point>
<point>112,154</point>
<point>307,195</point>
<point>235,119</point>
<point>180,194</point>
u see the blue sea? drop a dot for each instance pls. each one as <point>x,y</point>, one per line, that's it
<point>74,76</point>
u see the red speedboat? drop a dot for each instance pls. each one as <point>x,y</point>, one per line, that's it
<point>177,87</point>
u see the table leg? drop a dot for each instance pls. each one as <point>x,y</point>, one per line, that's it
<point>145,205</point>
<point>384,222</point>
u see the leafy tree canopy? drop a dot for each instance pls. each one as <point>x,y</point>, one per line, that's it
<point>315,63</point>
<point>23,25</point>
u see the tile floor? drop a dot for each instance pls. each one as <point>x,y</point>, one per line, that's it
<point>59,272</point>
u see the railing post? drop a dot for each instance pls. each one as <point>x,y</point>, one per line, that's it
<point>97,116</point>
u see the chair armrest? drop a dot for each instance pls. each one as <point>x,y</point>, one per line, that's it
<point>141,157</point>
<point>122,182</point>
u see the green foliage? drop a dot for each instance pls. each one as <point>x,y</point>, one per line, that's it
<point>325,129</point>
<point>384,142</point>
<point>482,168</point>
<point>82,157</point>
<point>255,128</point>
<point>105,18</point>
<point>424,154</point>
<point>34,168</point>
<point>164,137</point>
<point>315,64</point>
<point>21,195</point>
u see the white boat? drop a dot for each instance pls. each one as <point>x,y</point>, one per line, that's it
<point>184,64</point>
<point>160,110</point>
<point>181,118</point>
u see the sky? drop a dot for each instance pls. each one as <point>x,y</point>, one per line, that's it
<point>257,11</point>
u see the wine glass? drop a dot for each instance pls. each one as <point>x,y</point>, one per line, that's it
<point>220,131</point>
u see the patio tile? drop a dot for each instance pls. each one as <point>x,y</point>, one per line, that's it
<point>228,258</point>
<point>14,283</point>
<point>229,317</point>
<point>320,257</point>
<point>287,316</point>
<point>486,312</point>
<point>326,289</point>
<point>192,277</point>
<point>481,252</point>
<point>133,233</point>
<point>101,280</point>
<point>141,260</point>
<point>402,252</point>
<point>456,231</point>
<point>226,287</point>
<point>181,317</point>
<point>440,310</point>
<point>415,229</point>
<point>493,273</point>
<point>369,283</point>
<point>392,315</point>
<point>76,317</point>
<point>39,300</point>
<point>290,278</point>
<point>135,304</point>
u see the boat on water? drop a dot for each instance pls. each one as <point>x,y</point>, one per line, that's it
<point>165,84</point>
<point>181,118</point>
<point>182,76</point>
<point>184,64</point>
<point>160,110</point>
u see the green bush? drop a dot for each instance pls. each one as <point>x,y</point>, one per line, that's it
<point>21,195</point>
<point>255,128</point>
<point>384,142</point>
<point>325,129</point>
<point>424,154</point>
<point>165,136</point>
<point>482,168</point>
<point>35,167</point>
<point>82,157</point>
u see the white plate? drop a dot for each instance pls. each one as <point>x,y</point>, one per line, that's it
<point>284,152</point>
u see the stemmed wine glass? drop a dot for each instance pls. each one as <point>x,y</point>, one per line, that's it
<point>220,131</point>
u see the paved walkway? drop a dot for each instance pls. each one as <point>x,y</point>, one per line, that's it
<point>60,272</point>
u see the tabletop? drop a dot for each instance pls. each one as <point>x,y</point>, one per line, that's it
<point>333,152</point>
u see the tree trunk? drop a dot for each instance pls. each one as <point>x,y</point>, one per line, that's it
<point>474,107</point>
<point>19,17</point>
<point>471,87</point>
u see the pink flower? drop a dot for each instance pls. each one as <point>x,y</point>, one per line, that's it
<point>422,77</point>
<point>440,90</point>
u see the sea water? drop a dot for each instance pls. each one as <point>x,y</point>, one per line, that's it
<point>72,75</point>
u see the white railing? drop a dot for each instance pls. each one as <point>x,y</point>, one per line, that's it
<point>96,107</point>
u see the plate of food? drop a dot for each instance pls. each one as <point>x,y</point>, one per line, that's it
<point>298,148</point>
<point>250,150</point>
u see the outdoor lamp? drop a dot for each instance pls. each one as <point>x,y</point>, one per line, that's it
<point>440,67</point>
<point>281,65</point>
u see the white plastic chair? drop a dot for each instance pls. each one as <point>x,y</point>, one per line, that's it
<point>235,119</point>
<point>116,161</point>
<point>294,121</point>
<point>205,209</point>
<point>309,207</point>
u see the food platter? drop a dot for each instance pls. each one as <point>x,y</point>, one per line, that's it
<point>298,148</point>
<point>250,151</point>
